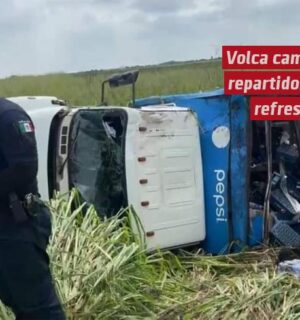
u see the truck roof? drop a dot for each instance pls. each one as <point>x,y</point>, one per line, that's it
<point>32,103</point>
<point>165,99</point>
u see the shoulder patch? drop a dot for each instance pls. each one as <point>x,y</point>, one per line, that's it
<point>25,126</point>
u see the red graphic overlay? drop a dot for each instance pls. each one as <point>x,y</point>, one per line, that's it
<point>261,57</point>
<point>262,83</point>
<point>275,108</point>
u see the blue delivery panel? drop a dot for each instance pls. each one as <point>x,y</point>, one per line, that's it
<point>223,127</point>
<point>239,169</point>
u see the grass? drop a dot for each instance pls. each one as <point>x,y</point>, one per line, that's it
<point>84,88</point>
<point>102,271</point>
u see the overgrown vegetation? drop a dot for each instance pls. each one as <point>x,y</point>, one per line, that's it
<point>102,272</point>
<point>84,88</point>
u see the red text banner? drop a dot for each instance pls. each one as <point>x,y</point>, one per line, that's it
<point>275,108</point>
<point>261,57</point>
<point>262,83</point>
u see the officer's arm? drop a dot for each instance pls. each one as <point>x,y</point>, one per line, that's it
<point>18,152</point>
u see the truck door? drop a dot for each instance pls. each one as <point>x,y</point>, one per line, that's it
<point>164,176</point>
<point>147,158</point>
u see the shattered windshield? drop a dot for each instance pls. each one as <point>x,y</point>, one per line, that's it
<point>97,158</point>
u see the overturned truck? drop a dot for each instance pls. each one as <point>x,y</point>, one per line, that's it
<point>193,166</point>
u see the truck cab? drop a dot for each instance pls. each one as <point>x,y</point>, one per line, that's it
<point>148,158</point>
<point>193,167</point>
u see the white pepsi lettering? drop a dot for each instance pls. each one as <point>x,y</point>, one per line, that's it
<point>219,196</point>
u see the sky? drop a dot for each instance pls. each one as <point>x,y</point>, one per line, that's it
<point>46,36</point>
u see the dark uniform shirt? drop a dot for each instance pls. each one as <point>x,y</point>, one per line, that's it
<point>18,155</point>
<point>25,279</point>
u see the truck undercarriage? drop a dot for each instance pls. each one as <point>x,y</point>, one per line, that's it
<point>279,173</point>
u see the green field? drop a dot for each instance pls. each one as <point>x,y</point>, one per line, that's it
<point>84,88</point>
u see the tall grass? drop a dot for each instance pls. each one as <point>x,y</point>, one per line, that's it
<point>84,88</point>
<point>102,271</point>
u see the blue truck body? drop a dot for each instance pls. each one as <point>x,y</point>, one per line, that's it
<point>225,167</point>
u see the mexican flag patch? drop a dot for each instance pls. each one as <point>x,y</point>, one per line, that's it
<point>26,126</point>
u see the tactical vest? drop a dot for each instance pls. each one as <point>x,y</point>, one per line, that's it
<point>5,106</point>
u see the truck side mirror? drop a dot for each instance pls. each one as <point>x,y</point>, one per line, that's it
<point>119,80</point>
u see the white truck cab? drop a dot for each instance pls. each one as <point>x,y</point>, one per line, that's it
<point>116,156</point>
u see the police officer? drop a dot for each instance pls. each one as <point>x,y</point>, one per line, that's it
<point>25,281</point>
